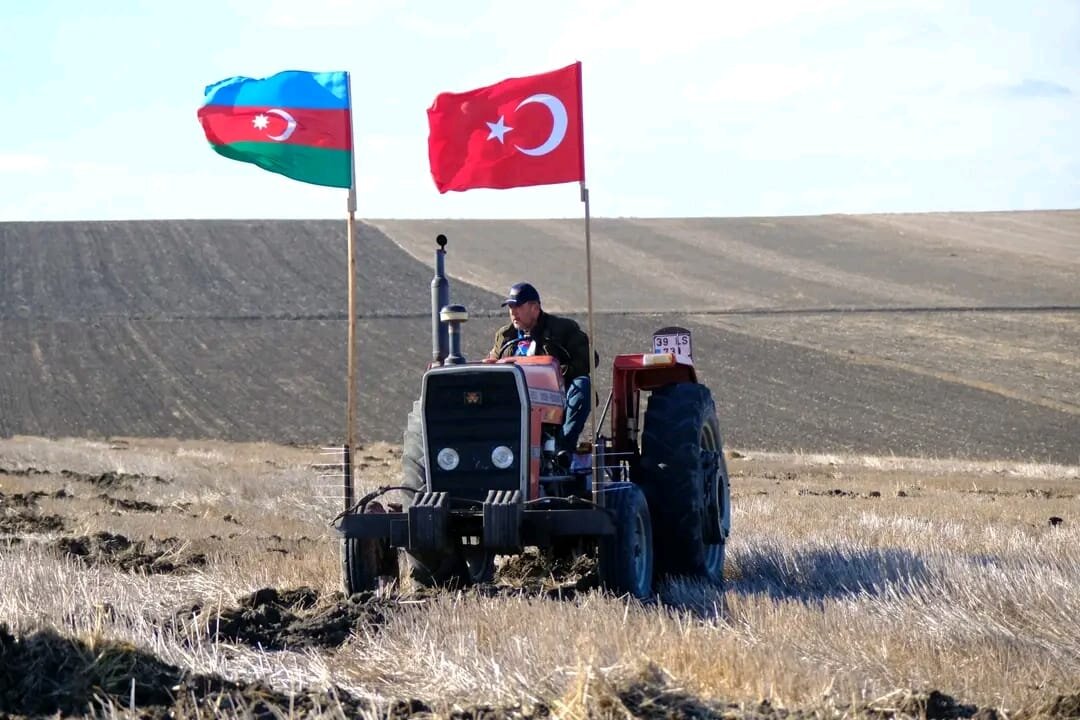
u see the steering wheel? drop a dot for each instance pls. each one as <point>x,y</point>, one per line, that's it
<point>508,343</point>
<point>562,356</point>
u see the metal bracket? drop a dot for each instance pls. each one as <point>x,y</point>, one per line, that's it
<point>428,521</point>
<point>502,520</point>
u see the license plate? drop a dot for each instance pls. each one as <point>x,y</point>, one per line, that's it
<point>677,343</point>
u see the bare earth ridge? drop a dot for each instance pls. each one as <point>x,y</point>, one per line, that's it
<point>945,335</point>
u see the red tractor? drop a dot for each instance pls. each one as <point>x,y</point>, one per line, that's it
<point>481,476</point>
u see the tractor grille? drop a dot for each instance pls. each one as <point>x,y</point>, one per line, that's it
<point>474,411</point>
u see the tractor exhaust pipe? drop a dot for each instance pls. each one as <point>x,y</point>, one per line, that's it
<point>454,316</point>
<point>440,298</point>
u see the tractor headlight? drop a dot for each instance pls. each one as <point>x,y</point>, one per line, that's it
<point>502,457</point>
<point>448,458</point>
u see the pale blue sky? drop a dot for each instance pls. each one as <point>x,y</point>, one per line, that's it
<point>770,107</point>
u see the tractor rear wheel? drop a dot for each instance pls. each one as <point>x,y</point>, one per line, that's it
<point>685,479</point>
<point>625,559</point>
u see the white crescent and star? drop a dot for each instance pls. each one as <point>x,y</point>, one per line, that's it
<point>559,124</point>
<point>261,122</point>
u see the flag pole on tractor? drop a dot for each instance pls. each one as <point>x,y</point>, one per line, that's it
<point>598,499</point>
<point>520,131</point>
<point>298,124</point>
<point>350,228</point>
<point>592,343</point>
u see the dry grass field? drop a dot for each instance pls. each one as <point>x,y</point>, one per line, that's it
<point>155,578</point>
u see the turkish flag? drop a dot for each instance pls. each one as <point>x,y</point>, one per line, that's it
<point>521,131</point>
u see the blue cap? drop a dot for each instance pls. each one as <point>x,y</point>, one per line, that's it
<point>521,293</point>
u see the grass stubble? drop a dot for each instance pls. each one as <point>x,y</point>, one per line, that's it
<point>873,587</point>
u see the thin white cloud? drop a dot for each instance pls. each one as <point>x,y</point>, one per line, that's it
<point>422,25</point>
<point>756,83</point>
<point>653,29</point>
<point>312,14</point>
<point>23,163</point>
<point>1036,88</point>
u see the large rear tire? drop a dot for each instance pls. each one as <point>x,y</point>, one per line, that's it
<point>625,559</point>
<point>685,479</point>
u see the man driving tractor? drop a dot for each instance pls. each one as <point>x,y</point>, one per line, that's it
<point>531,331</point>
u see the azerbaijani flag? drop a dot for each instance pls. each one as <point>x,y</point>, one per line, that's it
<point>295,123</point>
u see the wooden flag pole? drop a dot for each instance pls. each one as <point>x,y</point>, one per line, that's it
<point>350,229</point>
<point>350,422</point>
<point>597,496</point>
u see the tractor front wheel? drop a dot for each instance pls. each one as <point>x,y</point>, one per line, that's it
<point>477,565</point>
<point>363,562</point>
<point>625,559</point>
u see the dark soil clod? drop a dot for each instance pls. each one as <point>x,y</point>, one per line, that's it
<point>276,620</point>
<point>19,515</point>
<point>28,522</point>
<point>20,500</point>
<point>105,548</point>
<point>109,479</point>
<point>1062,706</point>
<point>837,492</point>
<point>48,674</point>
<point>130,505</point>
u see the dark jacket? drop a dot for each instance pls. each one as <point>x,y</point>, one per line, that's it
<point>559,337</point>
